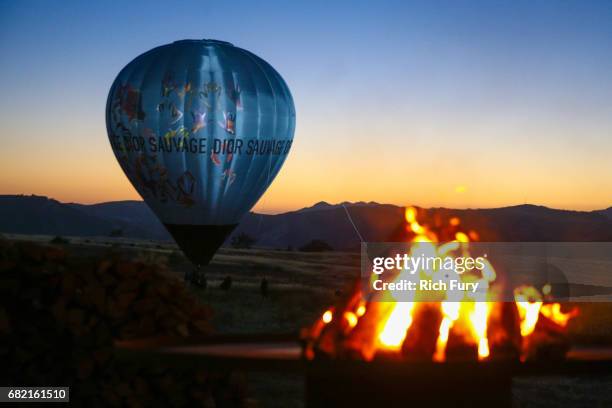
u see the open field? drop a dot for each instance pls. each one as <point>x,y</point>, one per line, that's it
<point>301,286</point>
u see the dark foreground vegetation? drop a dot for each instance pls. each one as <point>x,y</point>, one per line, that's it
<point>60,314</point>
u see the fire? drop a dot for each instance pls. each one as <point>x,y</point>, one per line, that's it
<point>451,313</point>
<point>478,319</point>
<point>529,303</point>
<point>351,319</point>
<point>361,309</point>
<point>394,330</point>
<point>327,316</point>
<point>553,312</point>
<point>467,317</point>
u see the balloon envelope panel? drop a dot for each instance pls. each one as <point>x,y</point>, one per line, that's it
<point>201,128</point>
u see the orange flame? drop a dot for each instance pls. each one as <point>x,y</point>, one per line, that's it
<point>554,313</point>
<point>327,316</point>
<point>529,303</point>
<point>394,332</point>
<point>395,327</point>
<point>471,311</point>
<point>451,314</point>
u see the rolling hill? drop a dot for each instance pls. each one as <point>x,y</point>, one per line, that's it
<point>373,222</point>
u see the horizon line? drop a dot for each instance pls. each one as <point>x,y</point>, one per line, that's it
<point>326,203</point>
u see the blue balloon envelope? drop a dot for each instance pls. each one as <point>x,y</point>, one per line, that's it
<point>200,128</point>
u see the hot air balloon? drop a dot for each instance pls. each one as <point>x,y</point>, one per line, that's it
<point>200,128</point>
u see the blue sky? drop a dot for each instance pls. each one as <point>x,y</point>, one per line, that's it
<point>431,103</point>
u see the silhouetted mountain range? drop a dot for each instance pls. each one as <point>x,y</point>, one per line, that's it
<point>332,223</point>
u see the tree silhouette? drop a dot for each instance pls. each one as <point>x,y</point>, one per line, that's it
<point>243,241</point>
<point>316,245</point>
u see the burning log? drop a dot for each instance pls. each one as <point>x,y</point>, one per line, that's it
<point>421,337</point>
<point>328,332</point>
<point>503,331</point>
<point>363,340</point>
<point>460,347</point>
<point>548,341</point>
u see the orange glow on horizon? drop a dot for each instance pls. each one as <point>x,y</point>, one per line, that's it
<point>89,174</point>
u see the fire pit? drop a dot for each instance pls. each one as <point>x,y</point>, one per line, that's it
<point>446,347</point>
<point>356,383</point>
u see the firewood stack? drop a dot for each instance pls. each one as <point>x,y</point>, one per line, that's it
<point>60,314</point>
<point>333,336</point>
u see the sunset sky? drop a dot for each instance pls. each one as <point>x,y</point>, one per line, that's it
<point>457,104</point>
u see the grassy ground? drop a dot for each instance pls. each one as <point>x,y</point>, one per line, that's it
<point>301,286</point>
